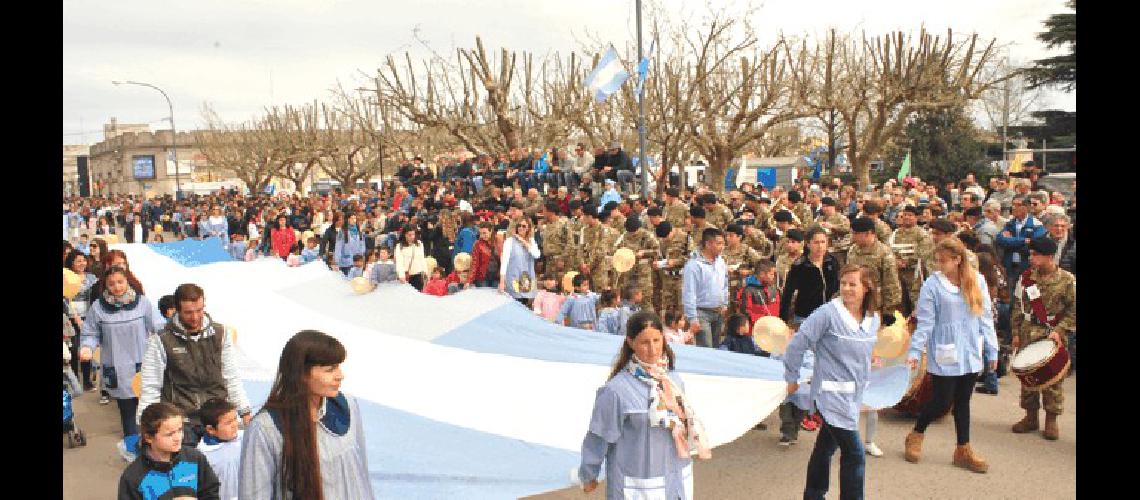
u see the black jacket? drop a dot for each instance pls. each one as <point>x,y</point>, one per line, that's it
<point>814,287</point>
<point>188,474</point>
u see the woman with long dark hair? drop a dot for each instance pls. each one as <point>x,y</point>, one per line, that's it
<point>307,442</point>
<point>411,266</point>
<point>282,238</point>
<point>815,276</point>
<point>77,262</point>
<point>841,333</point>
<point>646,452</point>
<point>349,243</point>
<point>955,317</point>
<point>98,250</point>
<point>119,321</point>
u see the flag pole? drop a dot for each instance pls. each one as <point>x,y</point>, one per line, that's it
<point>641,117</point>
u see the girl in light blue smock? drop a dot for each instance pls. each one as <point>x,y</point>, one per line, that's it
<point>841,333</point>
<point>349,243</point>
<point>955,322</point>
<point>643,426</point>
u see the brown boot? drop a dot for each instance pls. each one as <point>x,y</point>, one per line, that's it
<point>913,447</point>
<point>1051,431</point>
<point>965,458</point>
<point>1027,424</point>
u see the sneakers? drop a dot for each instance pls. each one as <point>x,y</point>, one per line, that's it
<point>985,390</point>
<point>125,447</point>
<point>873,449</point>
<point>787,441</point>
<point>104,399</point>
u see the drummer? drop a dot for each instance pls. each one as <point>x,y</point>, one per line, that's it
<point>954,315</point>
<point>841,333</point>
<point>1055,291</point>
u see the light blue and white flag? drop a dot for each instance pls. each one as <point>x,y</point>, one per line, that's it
<point>608,76</point>
<point>467,396</point>
<point>643,68</point>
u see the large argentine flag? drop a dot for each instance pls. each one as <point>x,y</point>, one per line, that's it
<point>465,396</point>
<point>608,76</point>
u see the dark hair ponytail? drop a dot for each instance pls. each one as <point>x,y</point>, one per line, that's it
<point>638,323</point>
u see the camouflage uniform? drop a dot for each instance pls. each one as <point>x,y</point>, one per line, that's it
<point>719,216</point>
<point>695,235</point>
<point>784,261</point>
<point>676,249</point>
<point>912,245</point>
<point>642,271</point>
<point>598,247</point>
<point>677,214</point>
<point>839,236</point>
<point>743,260</point>
<point>555,242</point>
<point>617,221</point>
<point>756,240</point>
<point>532,207</point>
<point>763,218</point>
<point>882,230</point>
<point>881,260</point>
<point>804,213</point>
<point>574,250</point>
<point>1059,295</point>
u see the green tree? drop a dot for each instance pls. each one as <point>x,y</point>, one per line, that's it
<point>1061,30</point>
<point>944,145</point>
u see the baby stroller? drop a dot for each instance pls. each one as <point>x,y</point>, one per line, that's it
<point>75,435</point>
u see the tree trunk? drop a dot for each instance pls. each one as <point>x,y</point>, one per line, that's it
<point>719,162</point>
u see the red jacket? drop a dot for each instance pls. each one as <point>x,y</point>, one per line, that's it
<point>282,241</point>
<point>436,287</point>
<point>480,257</point>
<point>752,301</point>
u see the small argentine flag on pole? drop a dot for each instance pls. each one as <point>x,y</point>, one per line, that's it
<point>608,76</point>
<point>643,68</point>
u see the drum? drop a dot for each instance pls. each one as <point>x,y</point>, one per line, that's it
<point>920,392</point>
<point>1040,364</point>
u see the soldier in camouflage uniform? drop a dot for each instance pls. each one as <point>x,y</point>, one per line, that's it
<point>1057,291</point>
<point>873,210</point>
<point>555,241</point>
<point>913,249</point>
<point>868,251</point>
<point>783,224</point>
<point>755,239</point>
<point>716,214</point>
<point>696,228</point>
<point>645,248</point>
<point>574,229</point>
<point>800,209</point>
<point>598,243</point>
<point>740,260</point>
<point>674,248</point>
<point>675,212</point>
<point>791,249</point>
<point>838,230</point>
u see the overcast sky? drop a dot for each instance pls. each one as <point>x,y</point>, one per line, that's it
<point>241,55</point>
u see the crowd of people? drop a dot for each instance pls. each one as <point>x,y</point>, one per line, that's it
<point>546,230</point>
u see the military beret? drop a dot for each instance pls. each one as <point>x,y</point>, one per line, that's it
<point>795,234</point>
<point>783,216</point>
<point>633,224</point>
<point>674,192</point>
<point>736,229</point>
<point>828,201</point>
<point>663,229</point>
<point>794,197</point>
<point>943,225</point>
<point>912,209</point>
<point>862,225</point>
<point>973,212</point>
<point>697,211</point>
<point>653,212</point>
<point>590,209</point>
<point>1043,246</point>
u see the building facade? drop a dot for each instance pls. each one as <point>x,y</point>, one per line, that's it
<point>141,162</point>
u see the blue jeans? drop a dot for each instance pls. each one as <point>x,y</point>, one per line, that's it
<point>851,463</point>
<point>989,377</point>
<point>712,322</point>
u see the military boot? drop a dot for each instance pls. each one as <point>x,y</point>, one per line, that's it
<point>1027,424</point>
<point>1051,431</point>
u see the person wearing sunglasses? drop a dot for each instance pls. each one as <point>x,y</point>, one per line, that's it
<point>517,268</point>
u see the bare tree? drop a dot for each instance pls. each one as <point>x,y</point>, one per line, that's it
<point>247,149</point>
<point>1012,102</point>
<point>352,140</point>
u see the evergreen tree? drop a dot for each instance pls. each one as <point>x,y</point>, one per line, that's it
<point>944,145</point>
<point>1061,30</point>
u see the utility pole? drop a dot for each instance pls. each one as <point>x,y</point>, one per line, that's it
<point>641,117</point>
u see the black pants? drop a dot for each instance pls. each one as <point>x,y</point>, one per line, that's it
<point>127,409</point>
<point>417,281</point>
<point>960,388</point>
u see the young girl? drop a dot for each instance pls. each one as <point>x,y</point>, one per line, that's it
<point>436,285</point>
<point>548,301</point>
<point>164,469</point>
<point>871,420</point>
<point>609,317</point>
<point>676,331</point>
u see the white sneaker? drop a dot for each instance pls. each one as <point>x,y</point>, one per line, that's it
<point>873,449</point>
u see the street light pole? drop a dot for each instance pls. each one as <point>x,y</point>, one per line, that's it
<point>173,135</point>
<point>641,117</point>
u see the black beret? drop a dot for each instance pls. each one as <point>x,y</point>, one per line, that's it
<point>795,234</point>
<point>653,212</point>
<point>736,229</point>
<point>943,225</point>
<point>912,209</point>
<point>862,225</point>
<point>697,211</point>
<point>794,196</point>
<point>973,212</point>
<point>708,199</point>
<point>590,209</point>
<point>610,206</point>
<point>663,229</point>
<point>674,192</point>
<point>783,216</point>
<point>828,201</point>
<point>633,223</point>
<point>1043,246</point>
